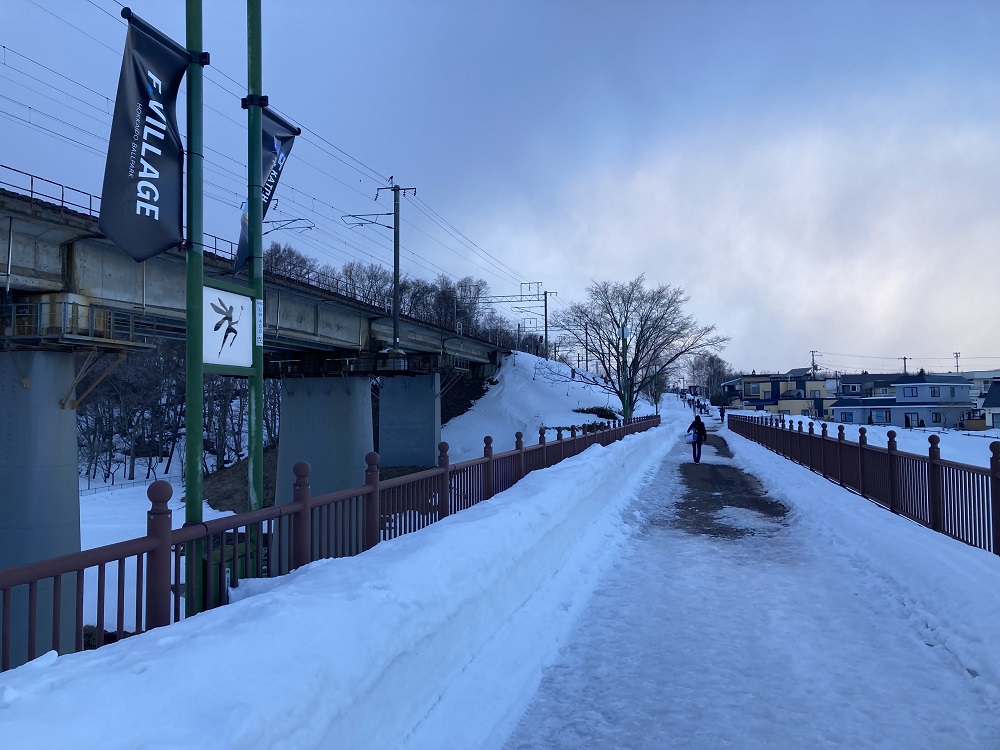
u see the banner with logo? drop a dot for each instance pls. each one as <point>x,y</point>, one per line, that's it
<point>277,135</point>
<point>142,198</point>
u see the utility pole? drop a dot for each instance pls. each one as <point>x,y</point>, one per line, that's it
<point>813,353</point>
<point>904,363</point>
<point>957,355</point>
<point>546,325</point>
<point>396,190</point>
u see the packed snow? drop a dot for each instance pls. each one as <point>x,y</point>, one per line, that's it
<point>567,612</point>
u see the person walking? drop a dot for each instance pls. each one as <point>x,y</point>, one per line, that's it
<point>699,435</point>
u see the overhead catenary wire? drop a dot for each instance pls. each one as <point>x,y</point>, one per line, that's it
<point>222,165</point>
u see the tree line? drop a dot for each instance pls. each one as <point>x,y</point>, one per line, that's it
<point>625,338</point>
<point>131,425</point>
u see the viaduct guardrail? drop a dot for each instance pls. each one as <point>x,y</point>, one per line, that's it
<point>267,542</point>
<point>952,498</point>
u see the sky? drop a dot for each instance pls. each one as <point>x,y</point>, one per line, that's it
<point>750,153</point>
<point>568,612</point>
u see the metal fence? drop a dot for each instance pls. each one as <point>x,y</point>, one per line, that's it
<point>956,499</point>
<point>89,598</point>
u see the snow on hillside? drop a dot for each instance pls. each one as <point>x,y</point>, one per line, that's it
<point>531,392</point>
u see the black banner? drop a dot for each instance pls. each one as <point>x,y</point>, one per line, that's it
<point>277,136</point>
<point>142,198</point>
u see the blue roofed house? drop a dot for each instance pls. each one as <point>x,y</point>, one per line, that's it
<point>904,400</point>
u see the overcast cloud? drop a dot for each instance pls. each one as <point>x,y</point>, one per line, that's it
<point>815,175</point>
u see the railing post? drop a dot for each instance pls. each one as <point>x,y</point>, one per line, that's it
<point>572,435</point>
<point>995,493</point>
<point>822,449</point>
<point>893,473</point>
<point>559,439</point>
<point>444,483</point>
<point>373,505</point>
<point>798,444</point>
<point>488,468</point>
<point>302,524</point>
<point>934,495</point>
<point>519,447</point>
<point>840,455</point>
<point>158,528</point>
<point>862,449</point>
<point>545,450</point>
<point>809,452</point>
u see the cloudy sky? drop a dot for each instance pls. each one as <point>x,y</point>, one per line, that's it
<point>815,175</point>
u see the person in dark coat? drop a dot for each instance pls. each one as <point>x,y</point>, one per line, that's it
<point>700,436</point>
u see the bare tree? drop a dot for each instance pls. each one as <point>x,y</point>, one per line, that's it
<point>285,260</point>
<point>659,335</point>
<point>368,283</point>
<point>710,371</point>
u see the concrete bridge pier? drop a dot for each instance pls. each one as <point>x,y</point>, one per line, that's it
<point>409,420</point>
<point>327,422</point>
<point>39,487</point>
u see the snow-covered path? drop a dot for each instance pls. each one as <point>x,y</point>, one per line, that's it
<point>766,640</point>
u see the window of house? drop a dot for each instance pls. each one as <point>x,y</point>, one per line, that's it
<point>911,419</point>
<point>935,391</point>
<point>847,416</point>
<point>909,392</point>
<point>805,413</point>
<point>755,389</point>
<point>883,391</point>
<point>952,389</point>
<point>853,388</point>
<point>881,416</point>
<point>936,417</point>
<point>814,393</point>
<point>986,385</point>
<point>767,394</point>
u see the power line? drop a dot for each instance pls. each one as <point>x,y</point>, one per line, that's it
<point>315,140</point>
<point>468,241</point>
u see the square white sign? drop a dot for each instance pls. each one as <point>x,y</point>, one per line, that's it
<point>228,323</point>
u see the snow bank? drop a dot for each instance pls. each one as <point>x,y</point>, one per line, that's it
<point>296,661</point>
<point>948,588</point>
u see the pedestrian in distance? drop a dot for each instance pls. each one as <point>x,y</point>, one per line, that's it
<point>697,434</point>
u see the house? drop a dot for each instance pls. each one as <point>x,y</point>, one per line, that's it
<point>797,392</point>
<point>991,404</point>
<point>981,381</point>
<point>867,385</point>
<point>930,400</point>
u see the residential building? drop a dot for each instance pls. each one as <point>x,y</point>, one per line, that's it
<point>796,393</point>
<point>991,405</point>
<point>930,400</point>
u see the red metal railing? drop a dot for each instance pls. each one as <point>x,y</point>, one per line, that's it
<point>956,499</point>
<point>63,604</point>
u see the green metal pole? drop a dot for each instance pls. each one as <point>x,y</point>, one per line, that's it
<point>255,232</point>
<point>195,382</point>
<point>395,269</point>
